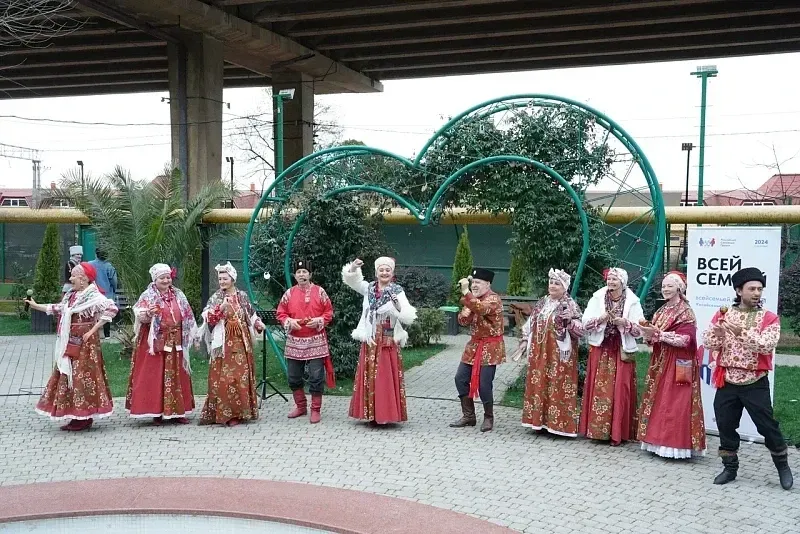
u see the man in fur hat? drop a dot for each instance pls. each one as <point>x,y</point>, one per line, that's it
<point>483,312</point>
<point>742,341</point>
<point>304,311</point>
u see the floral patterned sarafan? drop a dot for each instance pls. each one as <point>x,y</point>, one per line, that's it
<point>671,413</point>
<point>551,385</point>
<point>231,374</point>
<point>89,397</point>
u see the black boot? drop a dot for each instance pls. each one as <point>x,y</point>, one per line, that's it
<point>488,417</point>
<point>731,463</point>
<point>784,472</point>
<point>468,414</point>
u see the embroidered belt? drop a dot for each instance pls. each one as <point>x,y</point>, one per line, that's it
<point>477,361</point>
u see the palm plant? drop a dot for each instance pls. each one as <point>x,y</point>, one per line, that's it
<point>140,223</point>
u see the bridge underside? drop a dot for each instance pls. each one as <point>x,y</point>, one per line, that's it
<point>121,46</point>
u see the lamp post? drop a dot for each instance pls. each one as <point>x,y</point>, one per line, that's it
<point>704,73</point>
<point>233,191</point>
<point>283,94</point>
<point>83,184</point>
<point>688,148</point>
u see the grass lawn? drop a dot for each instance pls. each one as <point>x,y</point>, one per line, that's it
<point>12,325</point>
<point>786,401</point>
<point>118,370</point>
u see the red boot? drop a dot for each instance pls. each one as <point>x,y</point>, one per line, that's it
<point>300,404</point>
<point>70,426</point>
<point>316,407</point>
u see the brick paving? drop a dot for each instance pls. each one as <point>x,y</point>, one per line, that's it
<point>511,476</point>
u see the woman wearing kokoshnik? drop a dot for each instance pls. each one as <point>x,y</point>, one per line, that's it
<point>78,388</point>
<point>160,384</point>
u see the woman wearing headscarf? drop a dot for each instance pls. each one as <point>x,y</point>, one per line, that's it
<point>78,388</point>
<point>229,326</point>
<point>160,384</point>
<point>550,341</point>
<point>379,393</point>
<point>611,323</point>
<point>671,414</point>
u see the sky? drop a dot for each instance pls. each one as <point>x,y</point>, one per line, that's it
<point>753,115</point>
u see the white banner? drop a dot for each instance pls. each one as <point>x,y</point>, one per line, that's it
<point>714,254</point>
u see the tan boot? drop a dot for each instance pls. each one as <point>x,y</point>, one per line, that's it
<point>468,414</point>
<point>488,417</point>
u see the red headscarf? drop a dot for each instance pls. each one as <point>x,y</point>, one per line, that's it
<point>89,271</point>
<point>91,274</point>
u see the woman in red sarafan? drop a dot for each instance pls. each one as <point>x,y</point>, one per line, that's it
<point>78,388</point>
<point>550,340</point>
<point>379,393</point>
<point>611,324</point>
<point>228,329</point>
<point>160,384</point>
<point>671,413</point>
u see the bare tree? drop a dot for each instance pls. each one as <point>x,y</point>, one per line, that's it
<point>253,137</point>
<point>782,192</point>
<point>33,23</point>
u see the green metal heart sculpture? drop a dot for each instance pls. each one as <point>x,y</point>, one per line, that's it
<point>351,179</point>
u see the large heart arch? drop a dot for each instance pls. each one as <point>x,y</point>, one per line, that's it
<point>273,199</point>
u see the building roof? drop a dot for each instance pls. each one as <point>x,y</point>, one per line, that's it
<point>11,192</point>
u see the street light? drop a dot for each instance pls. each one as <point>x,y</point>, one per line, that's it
<point>283,94</point>
<point>704,73</point>
<point>83,186</point>
<point>688,148</point>
<point>233,191</point>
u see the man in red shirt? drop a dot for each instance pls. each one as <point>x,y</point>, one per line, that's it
<point>304,311</point>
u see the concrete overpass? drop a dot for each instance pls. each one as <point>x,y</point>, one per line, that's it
<point>196,48</point>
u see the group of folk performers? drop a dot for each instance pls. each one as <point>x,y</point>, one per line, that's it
<point>667,422</point>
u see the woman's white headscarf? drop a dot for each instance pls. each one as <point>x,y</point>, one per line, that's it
<point>621,274</point>
<point>159,269</point>
<point>561,277</point>
<point>227,268</point>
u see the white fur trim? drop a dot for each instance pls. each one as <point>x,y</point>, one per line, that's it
<point>354,279</point>
<point>597,307</point>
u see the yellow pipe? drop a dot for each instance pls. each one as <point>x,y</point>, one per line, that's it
<point>675,215</point>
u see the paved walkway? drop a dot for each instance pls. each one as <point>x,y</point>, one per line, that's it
<point>434,378</point>
<point>510,476</point>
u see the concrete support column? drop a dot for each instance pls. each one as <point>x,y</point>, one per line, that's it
<point>298,115</point>
<point>195,90</point>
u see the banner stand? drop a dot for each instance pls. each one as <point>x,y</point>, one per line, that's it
<point>713,255</point>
